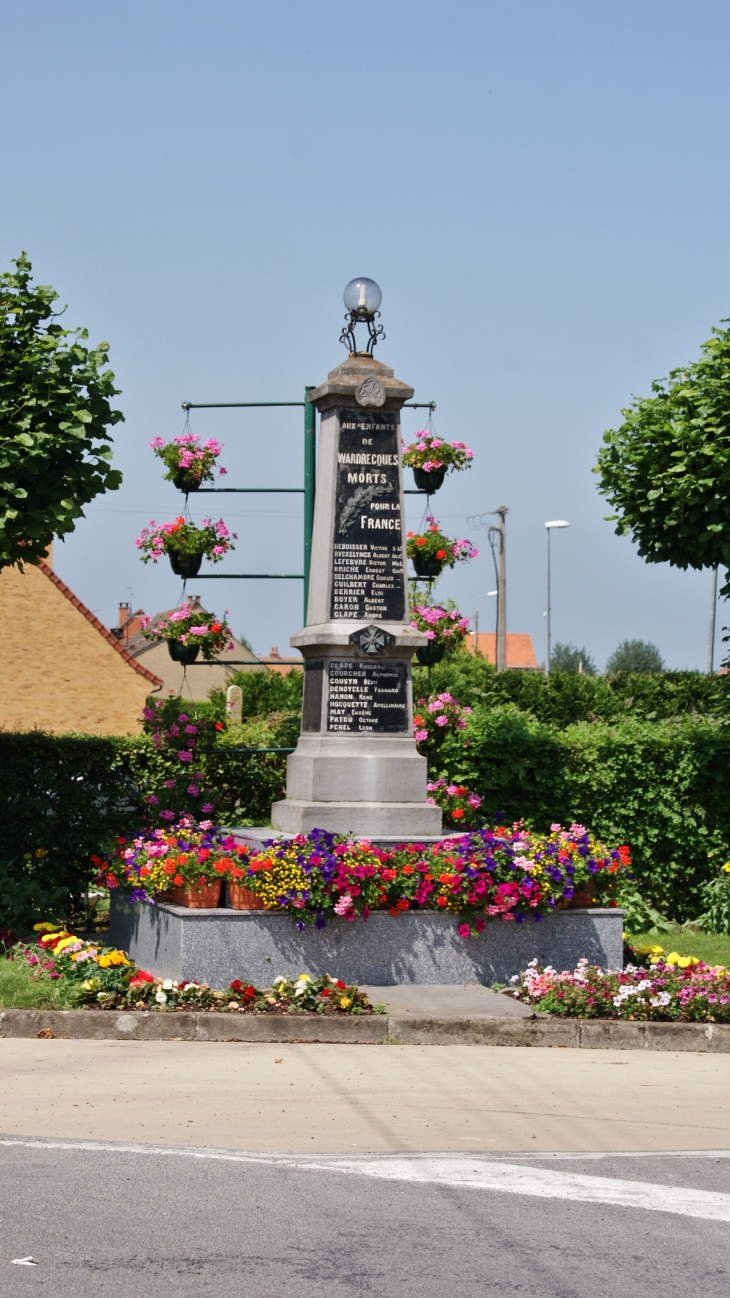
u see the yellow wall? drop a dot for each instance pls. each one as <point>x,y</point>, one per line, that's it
<point>58,672</point>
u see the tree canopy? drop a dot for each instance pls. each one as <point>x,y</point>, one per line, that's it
<point>666,469</point>
<point>637,656</point>
<point>567,658</point>
<point>54,416</point>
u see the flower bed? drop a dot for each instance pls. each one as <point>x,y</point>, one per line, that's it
<point>674,988</point>
<point>106,979</point>
<point>511,874</point>
<point>188,855</point>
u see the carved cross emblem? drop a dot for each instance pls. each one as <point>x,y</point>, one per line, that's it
<point>371,641</point>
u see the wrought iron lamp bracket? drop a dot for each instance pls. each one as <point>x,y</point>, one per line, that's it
<point>375,332</point>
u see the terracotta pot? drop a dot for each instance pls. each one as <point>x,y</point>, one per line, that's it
<point>578,901</point>
<point>243,898</point>
<point>205,897</point>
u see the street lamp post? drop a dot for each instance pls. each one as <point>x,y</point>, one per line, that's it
<point>556,522</point>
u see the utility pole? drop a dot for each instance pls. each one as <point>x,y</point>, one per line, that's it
<point>502,590</point>
<point>711,627</point>
<point>556,522</point>
<point>497,535</point>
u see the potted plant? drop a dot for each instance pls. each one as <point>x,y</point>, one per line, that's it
<point>188,463</point>
<point>185,864</point>
<point>436,717</point>
<point>444,629</point>
<point>458,804</point>
<point>185,544</point>
<point>431,551</point>
<point>189,631</point>
<point>431,457</point>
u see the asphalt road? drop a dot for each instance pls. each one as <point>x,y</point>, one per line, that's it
<point>137,1221</point>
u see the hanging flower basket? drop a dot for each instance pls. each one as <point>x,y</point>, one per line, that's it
<point>431,457</point>
<point>188,463</point>
<point>431,654</point>
<point>431,551</point>
<point>436,717</point>
<point>185,565</point>
<point>188,632</point>
<point>427,565</point>
<point>429,480</point>
<point>184,483</point>
<point>185,543</point>
<point>183,653</point>
<point>444,628</point>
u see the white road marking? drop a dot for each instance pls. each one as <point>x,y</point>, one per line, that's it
<point>471,1173</point>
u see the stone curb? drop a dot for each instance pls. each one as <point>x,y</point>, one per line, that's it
<point>189,1025</point>
<point>585,1034</point>
<point>398,1029</point>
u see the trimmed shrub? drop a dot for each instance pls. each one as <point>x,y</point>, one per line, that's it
<point>658,786</point>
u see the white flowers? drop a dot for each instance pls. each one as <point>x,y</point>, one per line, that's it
<point>660,1000</point>
<point>161,997</point>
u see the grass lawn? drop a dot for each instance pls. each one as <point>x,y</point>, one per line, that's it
<point>19,991</point>
<point>712,948</point>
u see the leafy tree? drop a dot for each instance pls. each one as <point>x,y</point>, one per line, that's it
<point>637,656</point>
<point>666,469</point>
<point>566,658</point>
<point>54,416</point>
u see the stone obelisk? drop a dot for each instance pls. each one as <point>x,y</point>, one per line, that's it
<point>356,768</point>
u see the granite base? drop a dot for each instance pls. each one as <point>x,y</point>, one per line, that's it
<point>216,946</point>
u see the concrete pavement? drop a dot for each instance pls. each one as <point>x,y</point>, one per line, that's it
<point>381,1098</point>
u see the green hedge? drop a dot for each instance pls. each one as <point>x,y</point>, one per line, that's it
<point>63,798</point>
<point>636,761</point>
<point>659,786</point>
<point>564,698</point>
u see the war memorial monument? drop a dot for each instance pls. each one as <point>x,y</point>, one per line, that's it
<point>356,769</point>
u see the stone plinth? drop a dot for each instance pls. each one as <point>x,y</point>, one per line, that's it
<point>356,768</point>
<point>216,946</point>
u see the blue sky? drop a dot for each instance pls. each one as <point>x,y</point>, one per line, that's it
<point>541,190</point>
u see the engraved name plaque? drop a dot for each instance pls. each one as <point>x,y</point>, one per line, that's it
<point>368,581</point>
<point>365,696</point>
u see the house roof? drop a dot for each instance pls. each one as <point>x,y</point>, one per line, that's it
<point>520,651</point>
<point>98,626</point>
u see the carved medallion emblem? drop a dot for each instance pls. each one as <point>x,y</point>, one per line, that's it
<point>371,392</point>
<point>371,641</point>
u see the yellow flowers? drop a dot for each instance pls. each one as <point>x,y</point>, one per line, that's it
<point>45,927</point>
<point>681,961</point>
<point>284,876</point>
<point>726,867</point>
<point>112,958</point>
<point>345,1002</point>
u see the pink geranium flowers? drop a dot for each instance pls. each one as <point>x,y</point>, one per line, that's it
<point>188,462</point>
